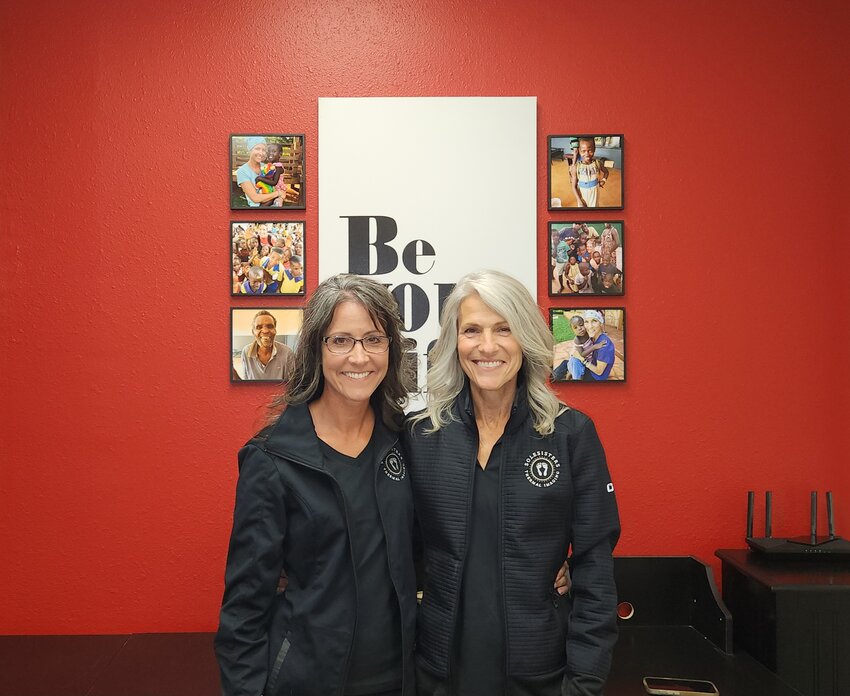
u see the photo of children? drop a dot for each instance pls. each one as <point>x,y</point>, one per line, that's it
<point>590,345</point>
<point>267,257</point>
<point>262,342</point>
<point>586,258</point>
<point>266,171</point>
<point>585,171</point>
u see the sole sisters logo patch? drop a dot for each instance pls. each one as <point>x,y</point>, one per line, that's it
<point>542,469</point>
<point>394,465</point>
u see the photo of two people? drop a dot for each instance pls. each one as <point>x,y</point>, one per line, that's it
<point>590,345</point>
<point>267,171</point>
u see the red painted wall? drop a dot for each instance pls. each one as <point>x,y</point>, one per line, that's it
<point>119,426</point>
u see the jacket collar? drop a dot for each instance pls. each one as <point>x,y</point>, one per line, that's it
<point>465,409</point>
<point>294,437</point>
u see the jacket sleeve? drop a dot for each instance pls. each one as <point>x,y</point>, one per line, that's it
<point>592,628</point>
<point>254,562</point>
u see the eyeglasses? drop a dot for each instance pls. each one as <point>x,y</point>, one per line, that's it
<point>345,344</point>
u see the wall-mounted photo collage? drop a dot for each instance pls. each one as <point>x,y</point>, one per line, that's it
<point>586,256</point>
<point>267,256</point>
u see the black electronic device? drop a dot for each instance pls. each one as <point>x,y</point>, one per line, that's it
<point>666,686</point>
<point>830,547</point>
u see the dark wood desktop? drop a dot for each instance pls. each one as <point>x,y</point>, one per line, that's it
<point>680,628</point>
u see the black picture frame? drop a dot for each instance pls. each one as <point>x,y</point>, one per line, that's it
<point>288,325</point>
<point>608,196</point>
<point>602,264</point>
<point>614,319</point>
<point>293,171</point>
<point>289,236</point>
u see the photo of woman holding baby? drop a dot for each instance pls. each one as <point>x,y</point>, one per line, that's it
<point>266,171</point>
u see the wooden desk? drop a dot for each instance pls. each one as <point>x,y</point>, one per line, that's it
<point>54,665</point>
<point>793,616</point>
<point>680,628</point>
<point>144,664</point>
<point>682,651</point>
<point>183,664</point>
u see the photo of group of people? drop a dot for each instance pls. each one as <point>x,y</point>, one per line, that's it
<point>586,258</point>
<point>267,258</point>
<point>590,344</point>
<point>585,171</point>
<point>266,171</point>
<point>262,342</point>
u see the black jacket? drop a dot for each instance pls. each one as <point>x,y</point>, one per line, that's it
<point>290,513</point>
<point>555,494</point>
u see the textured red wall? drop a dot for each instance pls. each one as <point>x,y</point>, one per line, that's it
<point>119,426</point>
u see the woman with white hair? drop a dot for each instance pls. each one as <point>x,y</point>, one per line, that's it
<point>507,480</point>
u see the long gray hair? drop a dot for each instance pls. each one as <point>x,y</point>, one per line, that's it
<point>509,298</point>
<point>305,381</point>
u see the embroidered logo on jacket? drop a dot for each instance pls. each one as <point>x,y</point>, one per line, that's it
<point>542,469</point>
<point>394,465</point>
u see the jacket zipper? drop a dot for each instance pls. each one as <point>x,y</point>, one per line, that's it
<point>502,448</point>
<point>341,499</point>
<point>453,621</point>
<point>278,663</point>
<point>404,674</point>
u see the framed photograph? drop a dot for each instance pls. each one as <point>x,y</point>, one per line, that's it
<point>266,171</point>
<point>590,344</point>
<point>585,171</point>
<point>267,258</point>
<point>586,258</point>
<point>262,341</point>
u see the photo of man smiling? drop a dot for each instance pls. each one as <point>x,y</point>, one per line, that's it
<point>264,354</point>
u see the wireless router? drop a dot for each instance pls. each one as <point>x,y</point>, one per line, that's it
<point>830,547</point>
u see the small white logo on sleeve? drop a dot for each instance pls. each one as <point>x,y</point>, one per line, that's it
<point>610,488</point>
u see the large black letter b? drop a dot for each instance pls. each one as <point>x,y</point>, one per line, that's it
<point>358,244</point>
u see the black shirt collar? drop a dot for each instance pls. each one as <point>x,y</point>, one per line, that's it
<point>465,409</point>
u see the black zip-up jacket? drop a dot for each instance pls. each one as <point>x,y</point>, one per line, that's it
<point>290,514</point>
<point>555,494</point>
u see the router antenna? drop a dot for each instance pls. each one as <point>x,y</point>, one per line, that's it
<point>829,517</point>
<point>814,524</point>
<point>750,501</point>
<point>768,500</point>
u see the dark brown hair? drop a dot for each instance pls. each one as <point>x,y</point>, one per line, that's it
<point>305,380</point>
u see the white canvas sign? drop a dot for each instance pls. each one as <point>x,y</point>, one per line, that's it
<point>416,192</point>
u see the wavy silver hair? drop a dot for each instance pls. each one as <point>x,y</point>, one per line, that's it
<point>509,298</point>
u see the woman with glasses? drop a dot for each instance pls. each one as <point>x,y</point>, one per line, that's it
<point>323,492</point>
